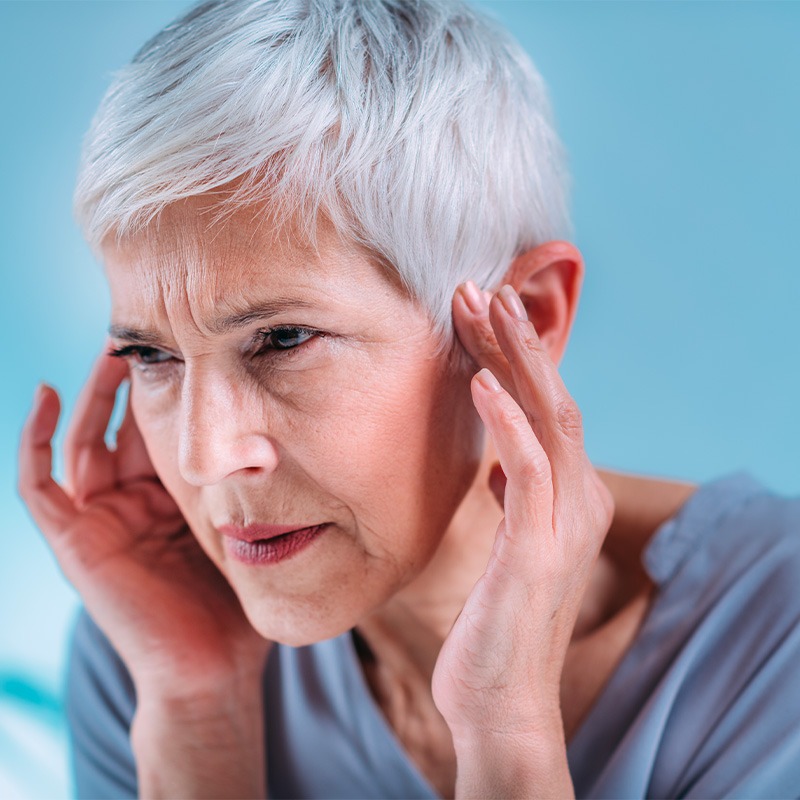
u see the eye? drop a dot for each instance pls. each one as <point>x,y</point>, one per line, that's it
<point>142,355</point>
<point>287,338</point>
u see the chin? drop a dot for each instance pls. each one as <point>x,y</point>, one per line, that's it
<point>299,623</point>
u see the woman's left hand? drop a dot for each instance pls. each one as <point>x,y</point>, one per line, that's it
<point>498,675</point>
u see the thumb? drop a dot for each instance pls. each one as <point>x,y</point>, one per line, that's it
<point>497,482</point>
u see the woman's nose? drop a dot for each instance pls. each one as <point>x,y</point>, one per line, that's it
<point>222,431</point>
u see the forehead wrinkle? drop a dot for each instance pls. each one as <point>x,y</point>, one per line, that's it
<point>214,307</point>
<point>199,251</point>
<point>188,276</point>
<point>159,266</point>
<point>218,277</point>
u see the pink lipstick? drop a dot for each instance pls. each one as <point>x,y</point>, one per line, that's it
<point>267,544</point>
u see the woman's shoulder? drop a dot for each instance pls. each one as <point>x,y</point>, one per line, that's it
<point>727,527</point>
<point>668,527</point>
<point>727,573</point>
<point>709,686</point>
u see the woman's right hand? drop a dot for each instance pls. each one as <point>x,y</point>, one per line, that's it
<point>122,542</point>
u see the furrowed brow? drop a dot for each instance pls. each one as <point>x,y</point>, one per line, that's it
<point>216,327</point>
<point>134,335</point>
<point>257,312</point>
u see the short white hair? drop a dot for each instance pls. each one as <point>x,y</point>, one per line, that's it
<point>420,128</point>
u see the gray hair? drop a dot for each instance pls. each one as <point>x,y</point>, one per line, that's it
<point>419,128</point>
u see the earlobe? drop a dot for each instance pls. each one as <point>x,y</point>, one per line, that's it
<point>548,278</point>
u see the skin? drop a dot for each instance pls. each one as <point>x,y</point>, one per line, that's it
<point>301,437</point>
<point>433,545</point>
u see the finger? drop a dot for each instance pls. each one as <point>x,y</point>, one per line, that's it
<point>540,391</point>
<point>132,459</point>
<point>88,463</point>
<point>49,505</point>
<point>529,488</point>
<point>471,322</point>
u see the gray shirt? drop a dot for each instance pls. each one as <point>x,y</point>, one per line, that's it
<point>705,703</point>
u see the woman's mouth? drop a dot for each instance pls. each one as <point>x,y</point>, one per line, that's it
<point>245,544</point>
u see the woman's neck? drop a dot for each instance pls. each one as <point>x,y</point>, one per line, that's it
<point>399,643</point>
<point>408,631</point>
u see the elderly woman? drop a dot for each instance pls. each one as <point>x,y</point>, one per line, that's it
<point>348,542</point>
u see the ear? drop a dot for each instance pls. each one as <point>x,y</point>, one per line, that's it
<point>548,278</point>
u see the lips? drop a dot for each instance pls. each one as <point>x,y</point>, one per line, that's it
<point>260,531</point>
<point>250,545</point>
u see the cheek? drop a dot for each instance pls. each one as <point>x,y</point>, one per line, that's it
<point>394,445</point>
<point>408,449</point>
<point>452,440</point>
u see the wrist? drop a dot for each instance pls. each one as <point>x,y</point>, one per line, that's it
<point>222,713</point>
<point>210,744</point>
<point>512,764</point>
<point>199,682</point>
<point>538,724</point>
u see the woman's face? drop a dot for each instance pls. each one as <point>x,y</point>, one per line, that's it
<point>354,423</point>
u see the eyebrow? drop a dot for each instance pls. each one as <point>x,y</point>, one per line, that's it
<point>217,327</point>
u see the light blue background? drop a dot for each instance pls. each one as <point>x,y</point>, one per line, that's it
<point>682,121</point>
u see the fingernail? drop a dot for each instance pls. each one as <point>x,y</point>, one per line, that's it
<point>511,302</point>
<point>488,381</point>
<point>473,298</point>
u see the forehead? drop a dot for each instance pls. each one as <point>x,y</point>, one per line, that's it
<point>191,256</point>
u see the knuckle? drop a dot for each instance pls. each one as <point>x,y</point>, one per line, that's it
<point>535,471</point>
<point>508,416</point>
<point>569,419</point>
<point>29,489</point>
<point>486,342</point>
<point>531,340</point>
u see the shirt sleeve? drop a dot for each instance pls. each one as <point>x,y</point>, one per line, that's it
<point>739,706</point>
<point>100,704</point>
<point>706,702</point>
